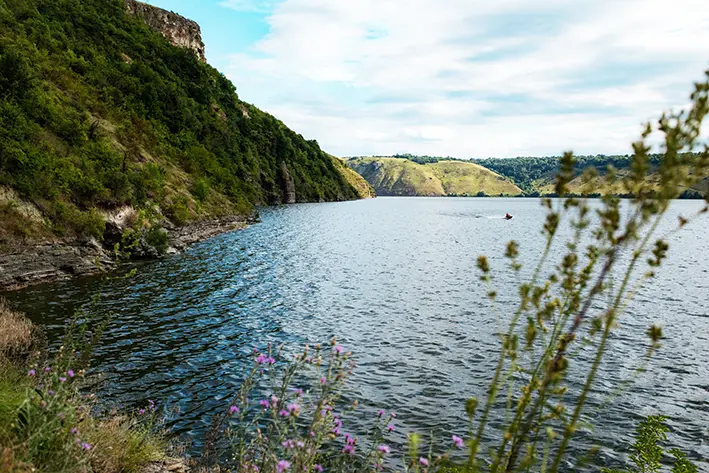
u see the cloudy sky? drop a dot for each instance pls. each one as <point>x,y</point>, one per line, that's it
<point>464,78</point>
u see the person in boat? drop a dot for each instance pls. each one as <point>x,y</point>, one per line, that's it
<point>508,216</point>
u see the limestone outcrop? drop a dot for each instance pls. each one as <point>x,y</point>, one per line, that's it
<point>175,28</point>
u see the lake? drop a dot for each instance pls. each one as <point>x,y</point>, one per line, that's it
<point>395,280</point>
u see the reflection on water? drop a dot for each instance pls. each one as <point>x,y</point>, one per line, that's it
<point>394,279</point>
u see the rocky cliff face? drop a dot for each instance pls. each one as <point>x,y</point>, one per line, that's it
<point>178,30</point>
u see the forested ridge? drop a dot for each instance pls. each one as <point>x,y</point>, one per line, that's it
<point>97,111</point>
<point>535,175</point>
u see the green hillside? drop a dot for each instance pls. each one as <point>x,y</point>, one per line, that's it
<point>397,176</point>
<point>97,112</point>
<point>535,175</point>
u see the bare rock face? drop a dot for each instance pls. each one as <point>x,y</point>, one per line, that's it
<point>288,186</point>
<point>178,30</point>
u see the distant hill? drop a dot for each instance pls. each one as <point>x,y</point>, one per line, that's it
<point>535,175</point>
<point>398,176</point>
<point>107,104</point>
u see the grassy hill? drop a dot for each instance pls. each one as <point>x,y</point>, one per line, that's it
<point>397,176</point>
<point>99,112</point>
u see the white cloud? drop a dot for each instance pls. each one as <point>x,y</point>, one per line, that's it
<point>474,78</point>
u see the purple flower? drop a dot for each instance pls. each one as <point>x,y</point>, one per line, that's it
<point>349,439</point>
<point>284,413</point>
<point>261,359</point>
<point>70,373</point>
<point>336,431</point>
<point>270,361</point>
<point>141,412</point>
<point>86,446</point>
<point>264,403</point>
<point>390,428</point>
<point>60,415</point>
<point>50,392</point>
<point>323,380</point>
<point>233,409</point>
<point>73,431</point>
<point>300,444</point>
<point>393,414</point>
<point>312,434</point>
<point>151,405</point>
<point>384,448</point>
<point>349,449</point>
<point>47,369</point>
<point>381,412</point>
<point>288,444</point>
<point>457,441</point>
<point>31,373</point>
<point>62,379</point>
<point>318,468</point>
<point>299,392</point>
<point>339,349</point>
<point>274,400</point>
<point>293,408</point>
<point>282,466</point>
<point>423,461</point>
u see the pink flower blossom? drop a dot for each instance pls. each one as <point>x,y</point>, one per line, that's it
<point>339,349</point>
<point>381,413</point>
<point>423,461</point>
<point>233,409</point>
<point>284,413</point>
<point>31,373</point>
<point>318,468</point>
<point>70,373</point>
<point>349,449</point>
<point>282,466</point>
<point>264,403</point>
<point>86,446</point>
<point>390,428</point>
<point>384,448</point>
<point>457,441</point>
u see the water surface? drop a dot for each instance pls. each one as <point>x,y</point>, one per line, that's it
<point>395,280</point>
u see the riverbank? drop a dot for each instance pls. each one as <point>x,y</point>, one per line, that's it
<point>27,264</point>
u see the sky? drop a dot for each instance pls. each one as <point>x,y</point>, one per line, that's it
<point>462,78</point>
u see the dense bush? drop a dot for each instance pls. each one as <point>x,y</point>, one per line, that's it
<point>97,110</point>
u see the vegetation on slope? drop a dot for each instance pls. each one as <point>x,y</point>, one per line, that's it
<point>535,175</point>
<point>97,111</point>
<point>395,176</point>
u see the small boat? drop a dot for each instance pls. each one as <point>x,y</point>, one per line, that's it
<point>508,216</point>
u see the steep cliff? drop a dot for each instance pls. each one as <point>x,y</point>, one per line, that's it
<point>178,30</point>
<point>99,112</point>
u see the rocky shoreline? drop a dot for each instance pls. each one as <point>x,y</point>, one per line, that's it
<point>29,264</point>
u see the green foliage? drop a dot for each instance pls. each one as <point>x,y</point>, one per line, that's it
<point>81,125</point>
<point>47,425</point>
<point>647,451</point>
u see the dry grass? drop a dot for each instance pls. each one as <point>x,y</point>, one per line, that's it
<point>15,332</point>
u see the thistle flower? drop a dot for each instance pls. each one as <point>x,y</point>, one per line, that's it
<point>293,408</point>
<point>233,409</point>
<point>457,441</point>
<point>381,412</point>
<point>62,379</point>
<point>390,428</point>
<point>47,369</point>
<point>339,349</point>
<point>318,468</point>
<point>284,413</point>
<point>264,403</point>
<point>423,461</point>
<point>85,446</point>
<point>70,373</point>
<point>384,449</point>
<point>282,466</point>
<point>349,449</point>
<point>31,373</point>
<point>323,380</point>
<point>73,431</point>
<point>141,412</point>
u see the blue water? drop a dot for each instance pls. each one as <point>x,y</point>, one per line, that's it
<point>395,280</point>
